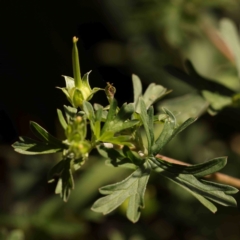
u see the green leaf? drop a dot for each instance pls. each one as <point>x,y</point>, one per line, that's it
<point>186,106</point>
<point>70,113</point>
<point>137,90</point>
<point>169,131</point>
<point>145,121</point>
<point>150,124</point>
<point>97,106</point>
<point>208,204</point>
<point>132,188</point>
<point>61,119</point>
<point>208,84</point>
<point>182,127</point>
<point>197,170</point>
<point>221,187</point>
<point>97,126</point>
<point>115,158</point>
<point>110,116</point>
<point>104,113</point>
<point>97,129</point>
<point>203,190</point>
<point>120,121</point>
<point>121,140</point>
<point>65,183</point>
<point>209,191</point>
<point>88,109</point>
<point>153,93</point>
<point>124,113</point>
<point>105,136</point>
<point>43,135</point>
<point>56,170</point>
<point>166,134</point>
<point>231,36</point>
<point>217,101</point>
<point>29,146</point>
<point>108,137</point>
<point>122,125</point>
<point>133,156</point>
<point>197,81</point>
<point>99,113</point>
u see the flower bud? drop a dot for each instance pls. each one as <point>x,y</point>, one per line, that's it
<point>110,91</point>
<point>78,89</point>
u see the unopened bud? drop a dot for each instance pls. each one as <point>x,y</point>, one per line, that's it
<point>110,91</point>
<point>78,119</point>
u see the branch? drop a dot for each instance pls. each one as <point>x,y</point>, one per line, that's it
<point>218,177</point>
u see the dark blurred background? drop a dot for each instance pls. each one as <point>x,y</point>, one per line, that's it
<point>116,38</point>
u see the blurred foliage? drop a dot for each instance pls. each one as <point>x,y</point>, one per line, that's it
<point>145,36</point>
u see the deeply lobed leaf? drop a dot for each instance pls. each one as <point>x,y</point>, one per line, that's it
<point>132,188</point>
<point>61,119</point>
<point>169,131</point>
<point>65,182</point>
<point>152,93</point>
<point>146,123</point>
<point>29,146</point>
<point>203,190</point>
<point>197,170</point>
<point>43,135</point>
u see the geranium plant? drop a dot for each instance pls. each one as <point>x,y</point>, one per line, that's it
<point>118,133</point>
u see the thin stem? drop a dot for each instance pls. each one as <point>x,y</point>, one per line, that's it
<point>218,177</point>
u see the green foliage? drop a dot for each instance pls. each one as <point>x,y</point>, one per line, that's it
<point>188,178</point>
<point>48,144</point>
<point>217,95</point>
<point>16,234</point>
<point>131,188</point>
<point>230,34</point>
<point>118,134</point>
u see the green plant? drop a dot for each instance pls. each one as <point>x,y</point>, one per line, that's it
<point>217,95</point>
<point>119,133</point>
